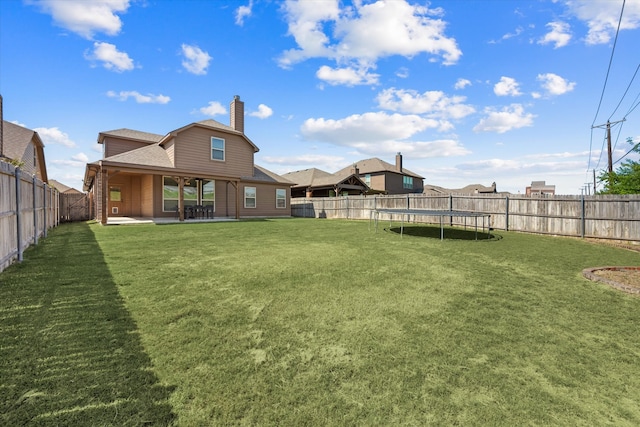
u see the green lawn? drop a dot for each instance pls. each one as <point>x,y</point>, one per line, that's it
<point>314,322</point>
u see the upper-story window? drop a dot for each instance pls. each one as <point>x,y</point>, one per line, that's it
<point>217,148</point>
<point>407,181</point>
<point>367,179</point>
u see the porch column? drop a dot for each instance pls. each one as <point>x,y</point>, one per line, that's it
<point>309,193</point>
<point>238,199</point>
<point>104,214</point>
<point>181,198</point>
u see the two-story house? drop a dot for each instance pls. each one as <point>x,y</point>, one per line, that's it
<point>206,164</point>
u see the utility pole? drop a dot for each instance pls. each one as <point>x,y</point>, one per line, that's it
<point>608,127</point>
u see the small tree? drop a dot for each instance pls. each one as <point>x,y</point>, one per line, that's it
<point>625,179</point>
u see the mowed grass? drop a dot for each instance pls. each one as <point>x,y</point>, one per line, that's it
<point>315,322</point>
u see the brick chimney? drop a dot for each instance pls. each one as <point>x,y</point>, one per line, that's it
<point>237,114</point>
<point>399,162</point>
<point>354,169</point>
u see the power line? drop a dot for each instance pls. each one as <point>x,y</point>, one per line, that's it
<point>625,92</point>
<point>606,79</point>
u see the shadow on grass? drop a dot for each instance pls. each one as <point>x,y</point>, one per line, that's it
<point>449,232</point>
<point>69,350</point>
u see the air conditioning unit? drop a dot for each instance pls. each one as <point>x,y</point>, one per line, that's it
<point>114,210</point>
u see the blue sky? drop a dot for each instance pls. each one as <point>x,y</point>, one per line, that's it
<point>468,91</point>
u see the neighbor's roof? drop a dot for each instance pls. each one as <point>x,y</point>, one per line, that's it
<point>375,165</point>
<point>310,177</point>
<point>62,188</point>
<point>16,139</point>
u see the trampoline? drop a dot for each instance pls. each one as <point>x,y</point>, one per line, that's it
<point>375,216</point>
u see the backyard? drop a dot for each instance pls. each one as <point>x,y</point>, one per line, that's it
<point>315,322</point>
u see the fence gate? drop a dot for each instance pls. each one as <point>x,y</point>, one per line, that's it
<point>74,207</point>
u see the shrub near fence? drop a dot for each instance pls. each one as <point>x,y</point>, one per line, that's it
<point>606,217</point>
<point>28,208</point>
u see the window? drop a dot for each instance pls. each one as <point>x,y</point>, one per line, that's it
<point>217,148</point>
<point>281,198</point>
<point>407,182</point>
<point>195,192</point>
<point>114,194</point>
<point>249,197</point>
<point>367,179</point>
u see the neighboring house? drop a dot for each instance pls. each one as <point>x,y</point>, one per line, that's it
<point>24,146</point>
<point>204,164</point>
<point>540,188</point>
<point>63,189</point>
<point>468,189</point>
<point>318,183</point>
<point>383,177</point>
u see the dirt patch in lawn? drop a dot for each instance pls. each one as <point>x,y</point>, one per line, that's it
<point>626,279</point>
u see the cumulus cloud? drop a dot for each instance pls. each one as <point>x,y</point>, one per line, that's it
<point>213,109</point>
<point>77,160</point>
<point>435,104</point>
<point>507,86</point>
<point>346,76</point>
<point>509,118</point>
<point>86,18</point>
<point>139,98</point>
<point>111,58</point>
<point>196,61</point>
<point>461,84</point>
<point>559,34</point>
<point>315,160</point>
<point>400,29</point>
<point>602,18</point>
<point>553,84</point>
<point>243,12</point>
<point>54,136</point>
<point>263,112</point>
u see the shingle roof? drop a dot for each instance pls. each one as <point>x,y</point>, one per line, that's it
<point>262,174</point>
<point>374,165</point>
<point>16,139</point>
<point>132,134</point>
<point>308,177</point>
<point>151,155</point>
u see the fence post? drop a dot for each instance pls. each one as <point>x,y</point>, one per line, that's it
<point>35,210</point>
<point>450,209</point>
<point>18,216</point>
<point>44,210</point>
<point>582,216</point>
<point>506,213</point>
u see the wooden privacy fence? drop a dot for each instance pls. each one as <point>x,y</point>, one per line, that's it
<point>606,217</point>
<point>28,208</point>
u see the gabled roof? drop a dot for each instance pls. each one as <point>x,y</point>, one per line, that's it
<point>318,178</point>
<point>265,175</point>
<point>212,124</point>
<point>375,165</point>
<point>130,134</point>
<point>16,140</point>
<point>62,188</point>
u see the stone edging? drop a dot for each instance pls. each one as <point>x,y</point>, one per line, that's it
<point>589,274</point>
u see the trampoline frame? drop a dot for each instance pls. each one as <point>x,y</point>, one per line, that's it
<point>375,215</point>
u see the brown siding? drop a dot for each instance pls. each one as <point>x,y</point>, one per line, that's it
<point>170,149</point>
<point>113,146</point>
<point>146,195</point>
<point>377,182</point>
<point>265,201</point>
<point>193,151</point>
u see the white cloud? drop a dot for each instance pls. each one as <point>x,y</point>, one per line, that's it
<point>559,34</point>
<point>213,109</point>
<point>602,17</point>
<point>462,83</point>
<point>361,129</point>
<point>507,86</point>
<point>316,160</point>
<point>86,17</point>
<point>403,72</point>
<point>80,157</point>
<point>69,163</point>
<point>553,84</point>
<point>400,29</point>
<point>242,12</point>
<point>140,99</point>
<point>346,76</point>
<point>509,118</point>
<point>111,58</point>
<point>196,61</point>
<point>262,113</point>
<point>435,104</point>
<point>54,136</point>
